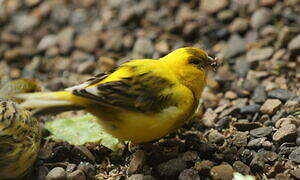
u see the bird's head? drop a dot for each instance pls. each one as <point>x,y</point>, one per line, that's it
<point>191,66</point>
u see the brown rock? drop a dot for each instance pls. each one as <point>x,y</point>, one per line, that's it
<point>137,162</point>
<point>222,172</point>
<point>106,64</point>
<point>296,173</point>
<point>87,41</point>
<point>270,106</point>
<point>286,133</point>
<point>213,6</point>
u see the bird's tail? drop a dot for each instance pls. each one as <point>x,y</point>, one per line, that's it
<point>51,102</point>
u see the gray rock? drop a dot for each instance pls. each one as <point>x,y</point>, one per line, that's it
<point>239,25</point>
<point>24,22</point>
<point>140,177</point>
<point>261,132</point>
<point>87,41</point>
<point>294,44</point>
<point>250,109</point>
<point>143,47</point>
<point>57,173</point>
<point>189,174</point>
<point>60,14</point>
<point>76,175</point>
<point>261,17</point>
<point>256,143</point>
<point>216,137</point>
<point>281,94</point>
<point>225,15</point>
<point>137,162</point>
<point>240,139</point>
<point>242,67</point>
<point>286,133</point>
<point>213,6</point>
<point>295,155</point>
<point>172,167</point>
<point>88,169</point>
<point>82,153</point>
<point>259,54</point>
<point>65,39</point>
<point>47,42</point>
<point>235,46</point>
<point>257,164</point>
<point>260,94</point>
<point>241,167</point>
<point>86,67</point>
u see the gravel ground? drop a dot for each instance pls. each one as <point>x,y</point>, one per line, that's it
<point>251,120</point>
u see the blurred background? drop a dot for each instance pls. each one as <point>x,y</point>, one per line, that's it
<point>64,42</point>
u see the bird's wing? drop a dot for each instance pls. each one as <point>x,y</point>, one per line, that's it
<point>142,92</point>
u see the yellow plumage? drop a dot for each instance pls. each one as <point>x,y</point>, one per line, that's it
<point>142,100</point>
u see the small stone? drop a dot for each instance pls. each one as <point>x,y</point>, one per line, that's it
<point>47,42</point>
<point>209,117</point>
<point>260,94</point>
<point>246,126</point>
<point>226,15</point>
<point>60,14</point>
<point>24,23</point>
<point>239,25</point>
<point>295,173</point>
<point>267,2</point>
<point>71,167</point>
<point>235,46</point>
<point>76,175</point>
<point>189,156</point>
<point>216,137</point>
<point>261,132</point>
<point>250,109</point>
<point>140,177</point>
<point>88,169</point>
<point>57,173</point>
<point>246,156</point>
<point>261,17</point>
<point>282,176</point>
<point>86,67</point>
<point>240,139</point>
<point>270,106</point>
<point>222,172</point>
<point>143,47</point>
<point>257,164</point>
<point>42,172</point>
<point>203,167</point>
<point>87,41</point>
<point>286,121</point>
<point>172,167</point>
<point>256,143</point>
<point>281,94</point>
<point>137,162</point>
<point>242,67</point>
<point>65,39</point>
<point>241,167</point>
<point>294,44</point>
<point>213,6</point>
<point>189,174</point>
<point>230,95</point>
<point>259,54</point>
<point>106,64</point>
<point>83,154</point>
<point>285,134</point>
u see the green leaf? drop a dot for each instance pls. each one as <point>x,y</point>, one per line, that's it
<point>80,130</point>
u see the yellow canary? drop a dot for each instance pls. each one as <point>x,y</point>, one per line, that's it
<point>142,100</point>
<point>19,140</point>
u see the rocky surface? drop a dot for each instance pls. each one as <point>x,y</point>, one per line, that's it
<point>251,107</point>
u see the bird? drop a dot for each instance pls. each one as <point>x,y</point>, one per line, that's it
<point>141,101</point>
<point>20,138</point>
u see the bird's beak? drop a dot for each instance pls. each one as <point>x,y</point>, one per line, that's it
<point>213,63</point>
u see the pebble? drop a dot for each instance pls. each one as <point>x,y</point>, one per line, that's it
<point>189,174</point>
<point>286,121</point>
<point>246,126</point>
<point>235,46</point>
<point>47,42</point>
<point>242,67</point>
<point>222,172</point>
<point>143,47</point>
<point>241,167</point>
<point>215,137</point>
<point>261,132</point>
<point>259,94</point>
<point>239,25</point>
<point>225,15</point>
<point>60,14</point>
<point>137,162</point>
<point>294,44</point>
<point>83,154</point>
<point>76,175</point>
<point>57,173</point>
<point>140,177</point>
<point>295,173</point>
<point>88,169</point>
<point>203,167</point>
<point>172,167</point>
<point>24,22</point>
<point>286,133</point>
<point>240,139</point>
<point>87,41</point>
<point>281,94</point>
<point>256,143</point>
<point>86,67</point>
<point>250,109</point>
<point>65,39</point>
<point>261,17</point>
<point>209,117</point>
<point>257,164</point>
<point>259,54</point>
<point>213,6</point>
<point>270,106</point>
